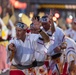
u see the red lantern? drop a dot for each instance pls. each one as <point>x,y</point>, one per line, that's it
<point>22,5</point>
<point>18,5</point>
<point>57,15</point>
<point>54,18</point>
<point>12,2</point>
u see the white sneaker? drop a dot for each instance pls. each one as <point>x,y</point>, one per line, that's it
<point>3,71</point>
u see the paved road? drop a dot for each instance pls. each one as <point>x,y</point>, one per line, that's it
<point>6,73</point>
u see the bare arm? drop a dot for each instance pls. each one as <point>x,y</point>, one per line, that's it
<point>12,55</point>
<point>72,67</point>
<point>12,48</point>
<point>44,36</point>
<point>37,26</point>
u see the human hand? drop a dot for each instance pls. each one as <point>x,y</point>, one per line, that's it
<point>63,45</point>
<point>11,47</point>
<point>50,18</point>
<point>57,49</point>
<point>37,25</point>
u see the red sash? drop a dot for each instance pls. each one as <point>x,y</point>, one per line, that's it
<point>16,72</point>
<point>65,69</point>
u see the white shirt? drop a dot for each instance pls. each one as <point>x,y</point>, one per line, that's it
<point>71,33</point>
<point>54,68</point>
<point>24,54</point>
<point>41,50</point>
<point>70,51</point>
<point>58,39</point>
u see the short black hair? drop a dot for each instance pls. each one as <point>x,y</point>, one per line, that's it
<point>36,17</point>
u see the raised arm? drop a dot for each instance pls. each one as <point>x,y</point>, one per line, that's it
<point>44,36</point>
<point>37,26</point>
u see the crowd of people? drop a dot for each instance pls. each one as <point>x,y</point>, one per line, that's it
<point>42,49</point>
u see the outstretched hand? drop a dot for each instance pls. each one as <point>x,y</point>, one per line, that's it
<point>63,45</point>
<point>11,47</point>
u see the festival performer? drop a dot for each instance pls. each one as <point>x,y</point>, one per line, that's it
<point>40,49</point>
<point>22,47</point>
<point>70,55</point>
<point>71,32</point>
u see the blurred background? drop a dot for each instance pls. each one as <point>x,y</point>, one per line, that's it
<point>63,10</point>
<point>12,11</point>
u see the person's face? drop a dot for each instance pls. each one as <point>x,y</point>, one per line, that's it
<point>20,33</point>
<point>33,30</point>
<point>46,26</point>
<point>74,26</point>
<point>35,21</point>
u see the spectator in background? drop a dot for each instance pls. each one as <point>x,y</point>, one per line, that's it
<point>71,32</point>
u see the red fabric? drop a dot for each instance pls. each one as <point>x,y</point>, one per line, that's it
<point>64,74</point>
<point>28,31</point>
<point>16,72</point>
<point>65,69</point>
<point>50,72</point>
<point>46,63</point>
